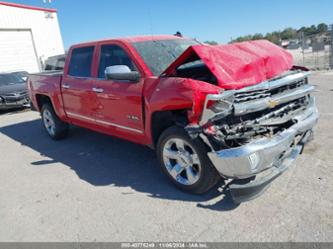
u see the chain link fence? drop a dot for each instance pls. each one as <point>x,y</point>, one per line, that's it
<point>313,51</point>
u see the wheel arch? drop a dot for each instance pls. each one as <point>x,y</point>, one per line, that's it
<point>162,120</point>
<point>42,99</point>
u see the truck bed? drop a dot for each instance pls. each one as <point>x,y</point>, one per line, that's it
<point>47,84</point>
<point>50,73</point>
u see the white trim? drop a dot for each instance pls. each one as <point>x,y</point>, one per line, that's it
<point>103,122</point>
<point>80,116</point>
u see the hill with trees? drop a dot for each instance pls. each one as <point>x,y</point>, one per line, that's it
<point>286,34</point>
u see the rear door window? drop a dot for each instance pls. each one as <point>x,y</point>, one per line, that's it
<point>81,62</point>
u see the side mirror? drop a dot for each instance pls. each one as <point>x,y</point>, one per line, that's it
<point>121,72</point>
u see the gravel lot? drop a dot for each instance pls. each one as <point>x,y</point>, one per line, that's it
<point>91,187</point>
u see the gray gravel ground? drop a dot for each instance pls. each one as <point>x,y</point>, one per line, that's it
<point>91,187</point>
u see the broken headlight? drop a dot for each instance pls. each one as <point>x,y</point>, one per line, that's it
<point>217,106</point>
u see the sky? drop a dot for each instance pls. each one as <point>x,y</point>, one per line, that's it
<point>218,20</point>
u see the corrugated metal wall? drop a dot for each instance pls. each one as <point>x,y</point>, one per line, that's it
<point>44,28</point>
<point>17,51</point>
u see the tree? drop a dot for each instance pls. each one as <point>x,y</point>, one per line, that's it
<point>257,36</point>
<point>310,30</point>
<point>243,38</point>
<point>301,30</point>
<point>273,37</point>
<point>288,34</point>
<point>322,28</point>
<point>211,42</point>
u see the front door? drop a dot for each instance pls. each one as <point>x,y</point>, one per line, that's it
<point>119,103</point>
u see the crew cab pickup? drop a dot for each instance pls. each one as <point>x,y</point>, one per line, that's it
<point>241,112</point>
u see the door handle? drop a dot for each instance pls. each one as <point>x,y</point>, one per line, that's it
<point>98,90</point>
<point>66,86</point>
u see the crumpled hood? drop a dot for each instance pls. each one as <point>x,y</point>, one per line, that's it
<point>238,65</point>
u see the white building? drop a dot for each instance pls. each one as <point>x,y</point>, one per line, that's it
<point>28,36</point>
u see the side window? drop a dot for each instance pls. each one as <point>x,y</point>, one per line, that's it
<point>112,55</point>
<point>80,63</point>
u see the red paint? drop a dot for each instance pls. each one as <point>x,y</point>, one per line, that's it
<point>119,99</point>
<point>240,64</point>
<point>151,94</point>
<point>133,39</point>
<point>22,6</point>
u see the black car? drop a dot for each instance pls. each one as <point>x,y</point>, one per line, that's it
<point>13,91</point>
<point>22,74</point>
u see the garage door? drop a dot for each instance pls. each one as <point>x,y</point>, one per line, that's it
<point>17,51</point>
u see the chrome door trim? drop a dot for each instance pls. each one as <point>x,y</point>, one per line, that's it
<point>97,90</point>
<point>99,121</point>
<point>118,126</point>
<point>75,115</point>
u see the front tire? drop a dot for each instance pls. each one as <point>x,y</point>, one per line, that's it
<point>54,127</point>
<point>185,161</point>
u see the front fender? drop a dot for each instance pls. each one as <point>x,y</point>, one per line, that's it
<point>180,93</point>
<point>171,93</point>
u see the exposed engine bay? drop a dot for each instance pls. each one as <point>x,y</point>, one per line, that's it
<point>237,117</point>
<point>255,114</point>
<point>196,70</point>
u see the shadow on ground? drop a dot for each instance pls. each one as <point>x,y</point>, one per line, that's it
<point>103,160</point>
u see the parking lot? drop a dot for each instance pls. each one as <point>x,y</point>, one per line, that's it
<point>92,187</point>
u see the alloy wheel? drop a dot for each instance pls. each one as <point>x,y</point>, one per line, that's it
<point>181,161</point>
<point>49,122</point>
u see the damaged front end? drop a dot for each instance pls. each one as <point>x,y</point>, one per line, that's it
<point>255,133</point>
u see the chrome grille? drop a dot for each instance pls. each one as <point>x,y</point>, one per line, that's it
<point>253,95</point>
<point>16,94</point>
<point>241,97</point>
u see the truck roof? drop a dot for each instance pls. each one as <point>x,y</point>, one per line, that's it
<point>131,39</point>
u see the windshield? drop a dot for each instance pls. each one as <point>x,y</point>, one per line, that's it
<point>159,54</point>
<point>10,79</point>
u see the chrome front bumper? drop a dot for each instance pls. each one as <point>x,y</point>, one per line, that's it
<point>266,154</point>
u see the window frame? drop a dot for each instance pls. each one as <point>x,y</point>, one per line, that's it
<point>125,49</point>
<point>92,61</point>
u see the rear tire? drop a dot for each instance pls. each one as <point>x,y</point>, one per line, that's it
<point>185,161</point>
<point>54,127</point>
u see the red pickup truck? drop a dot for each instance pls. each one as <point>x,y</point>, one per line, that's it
<point>241,112</point>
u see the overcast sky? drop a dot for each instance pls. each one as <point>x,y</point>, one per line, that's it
<point>218,20</point>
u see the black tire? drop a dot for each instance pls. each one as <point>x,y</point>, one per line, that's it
<point>60,129</point>
<point>208,176</point>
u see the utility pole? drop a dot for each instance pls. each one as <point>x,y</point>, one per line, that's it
<point>303,47</point>
<point>331,48</point>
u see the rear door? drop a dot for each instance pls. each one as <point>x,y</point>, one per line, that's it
<point>77,86</point>
<point>119,103</point>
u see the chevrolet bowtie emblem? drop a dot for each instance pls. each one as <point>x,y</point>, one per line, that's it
<point>272,103</point>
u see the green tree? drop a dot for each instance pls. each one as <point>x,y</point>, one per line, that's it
<point>257,36</point>
<point>322,28</point>
<point>288,33</point>
<point>310,30</point>
<point>243,38</point>
<point>211,42</point>
<point>301,29</point>
<point>273,37</point>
